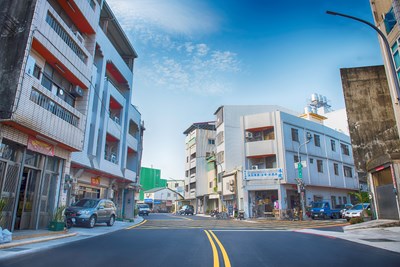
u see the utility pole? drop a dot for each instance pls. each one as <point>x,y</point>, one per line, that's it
<point>300,183</point>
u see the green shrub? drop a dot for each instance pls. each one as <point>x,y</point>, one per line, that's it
<point>356,220</point>
<point>58,216</point>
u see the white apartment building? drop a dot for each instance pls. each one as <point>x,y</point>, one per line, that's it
<point>230,151</point>
<point>109,164</point>
<point>274,142</point>
<point>200,144</point>
<point>176,185</point>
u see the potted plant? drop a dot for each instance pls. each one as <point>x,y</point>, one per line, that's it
<point>57,223</point>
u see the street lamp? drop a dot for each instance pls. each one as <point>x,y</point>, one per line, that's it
<point>300,182</point>
<point>386,44</point>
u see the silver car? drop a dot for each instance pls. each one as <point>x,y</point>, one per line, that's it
<point>357,210</point>
<point>88,212</point>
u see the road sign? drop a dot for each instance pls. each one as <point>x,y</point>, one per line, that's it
<point>300,170</point>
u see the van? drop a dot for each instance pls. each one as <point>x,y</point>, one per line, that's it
<point>144,209</point>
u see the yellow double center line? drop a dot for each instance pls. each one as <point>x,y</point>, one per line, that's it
<point>210,236</point>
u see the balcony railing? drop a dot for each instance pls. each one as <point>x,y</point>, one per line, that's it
<point>65,37</point>
<point>46,103</point>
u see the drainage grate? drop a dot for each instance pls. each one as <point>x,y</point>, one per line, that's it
<point>379,240</point>
<point>15,249</point>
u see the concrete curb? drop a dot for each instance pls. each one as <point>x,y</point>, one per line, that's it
<point>35,240</point>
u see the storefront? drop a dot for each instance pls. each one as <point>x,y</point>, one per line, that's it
<point>263,202</point>
<point>30,182</point>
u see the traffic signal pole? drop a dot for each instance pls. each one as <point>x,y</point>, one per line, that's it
<point>300,182</point>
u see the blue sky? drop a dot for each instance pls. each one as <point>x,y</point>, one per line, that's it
<point>195,56</point>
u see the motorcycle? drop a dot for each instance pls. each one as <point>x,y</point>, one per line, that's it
<point>214,213</point>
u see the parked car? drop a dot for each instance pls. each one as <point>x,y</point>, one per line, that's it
<point>323,210</point>
<point>343,208</point>
<point>356,210</point>
<point>144,209</point>
<point>88,212</point>
<point>186,210</point>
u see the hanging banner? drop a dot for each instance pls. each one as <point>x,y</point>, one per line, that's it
<point>40,146</point>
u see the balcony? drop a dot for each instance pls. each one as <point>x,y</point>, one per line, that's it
<point>117,60</point>
<point>114,128</point>
<point>129,175</point>
<point>261,148</point>
<point>132,142</point>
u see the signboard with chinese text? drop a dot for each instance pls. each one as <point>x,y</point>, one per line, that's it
<point>95,181</point>
<point>263,174</point>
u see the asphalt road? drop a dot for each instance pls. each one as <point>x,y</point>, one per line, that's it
<point>181,241</point>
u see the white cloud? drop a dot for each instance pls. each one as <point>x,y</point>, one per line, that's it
<point>172,16</point>
<point>170,59</point>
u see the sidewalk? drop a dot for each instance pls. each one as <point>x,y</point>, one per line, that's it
<point>384,234</point>
<point>28,241</point>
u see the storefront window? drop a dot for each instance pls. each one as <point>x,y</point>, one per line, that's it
<point>32,158</point>
<point>9,150</point>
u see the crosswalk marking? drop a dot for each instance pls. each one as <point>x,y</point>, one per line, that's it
<point>231,225</point>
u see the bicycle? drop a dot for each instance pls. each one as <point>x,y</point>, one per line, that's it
<point>222,216</point>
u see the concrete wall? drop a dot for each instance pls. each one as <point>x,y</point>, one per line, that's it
<point>370,114</point>
<point>15,20</point>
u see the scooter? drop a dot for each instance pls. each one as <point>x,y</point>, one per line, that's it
<point>69,222</point>
<point>214,213</point>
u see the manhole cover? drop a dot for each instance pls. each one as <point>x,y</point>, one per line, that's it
<point>15,249</point>
<point>379,240</point>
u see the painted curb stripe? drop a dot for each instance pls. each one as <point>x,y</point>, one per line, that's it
<point>133,226</point>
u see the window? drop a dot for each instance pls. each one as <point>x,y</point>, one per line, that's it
<point>345,200</point>
<point>345,149</point>
<point>295,158</point>
<point>320,166</point>
<point>295,135</point>
<point>336,168</point>
<point>348,172</point>
<point>333,145</point>
<point>57,84</point>
<point>37,71</point>
<point>211,141</point>
<point>220,138</point>
<point>311,160</point>
<point>317,141</point>
<point>210,185</point>
<point>333,200</point>
<point>220,157</point>
<point>389,20</point>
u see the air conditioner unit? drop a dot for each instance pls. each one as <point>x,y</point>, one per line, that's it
<point>77,91</point>
<point>254,167</point>
<point>116,119</point>
<point>79,37</point>
<point>113,158</point>
<point>231,182</point>
<point>249,135</point>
